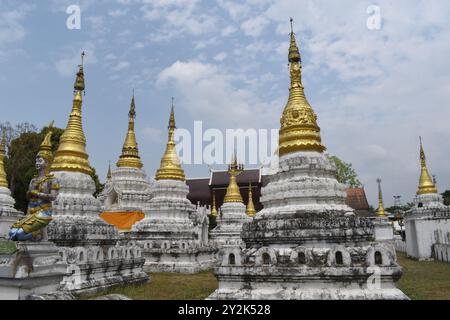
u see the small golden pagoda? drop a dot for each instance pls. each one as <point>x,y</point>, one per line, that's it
<point>71,154</point>
<point>299,130</point>
<point>233,193</point>
<point>380,210</point>
<point>214,212</point>
<point>426,184</point>
<point>130,152</point>
<point>3,180</point>
<point>250,210</point>
<point>170,168</point>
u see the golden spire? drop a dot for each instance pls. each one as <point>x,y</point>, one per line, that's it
<point>45,150</point>
<point>109,174</point>
<point>380,209</point>
<point>213,206</point>
<point>426,184</point>
<point>250,211</point>
<point>233,193</point>
<point>71,154</point>
<point>299,130</point>
<point>130,152</point>
<point>170,168</point>
<point>3,180</point>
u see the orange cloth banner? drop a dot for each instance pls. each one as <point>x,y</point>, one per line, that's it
<point>122,220</point>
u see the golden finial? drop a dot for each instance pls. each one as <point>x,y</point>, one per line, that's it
<point>299,130</point>
<point>213,206</point>
<point>233,193</point>
<point>3,179</point>
<point>79,80</point>
<point>170,168</point>
<point>426,184</point>
<point>109,174</point>
<point>380,209</point>
<point>45,150</point>
<point>71,154</point>
<point>250,211</point>
<point>130,152</point>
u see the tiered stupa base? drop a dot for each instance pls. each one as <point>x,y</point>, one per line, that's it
<point>173,236</point>
<point>294,257</point>
<point>124,196</point>
<point>91,248</point>
<point>8,215</point>
<point>307,244</point>
<point>383,229</point>
<point>35,268</point>
<point>229,225</point>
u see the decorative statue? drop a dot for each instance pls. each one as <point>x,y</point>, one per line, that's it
<point>42,191</point>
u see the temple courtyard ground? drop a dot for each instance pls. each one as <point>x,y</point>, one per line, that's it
<point>420,281</point>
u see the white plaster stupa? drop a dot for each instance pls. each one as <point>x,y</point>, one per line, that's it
<point>127,188</point>
<point>306,243</point>
<point>174,232</point>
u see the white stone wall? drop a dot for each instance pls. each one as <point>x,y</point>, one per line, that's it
<point>442,252</point>
<point>400,246</point>
<point>383,229</point>
<point>423,229</point>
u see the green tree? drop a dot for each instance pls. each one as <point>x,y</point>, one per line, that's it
<point>20,166</point>
<point>346,174</point>
<point>446,196</point>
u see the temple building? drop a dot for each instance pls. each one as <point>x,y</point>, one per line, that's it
<point>306,243</point>
<point>427,224</point>
<point>201,189</point>
<point>95,258</point>
<point>174,232</point>
<point>8,214</point>
<point>127,188</point>
<point>233,212</point>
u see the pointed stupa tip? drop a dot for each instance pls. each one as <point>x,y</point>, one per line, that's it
<point>79,80</point>
<point>426,184</point>
<point>3,179</point>
<point>294,52</point>
<point>380,210</point>
<point>132,113</point>
<point>71,155</point>
<point>214,206</point>
<point>233,193</point>
<point>130,152</point>
<point>299,130</point>
<point>109,174</point>
<point>250,210</point>
<point>172,116</point>
<point>170,167</point>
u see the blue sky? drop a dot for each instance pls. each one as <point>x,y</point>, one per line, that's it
<point>225,62</point>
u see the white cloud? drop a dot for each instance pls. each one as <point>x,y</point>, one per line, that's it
<point>209,94</point>
<point>11,27</point>
<point>254,26</point>
<point>220,56</point>
<point>120,66</point>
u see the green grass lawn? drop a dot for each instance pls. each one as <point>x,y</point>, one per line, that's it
<point>7,247</point>
<point>425,280</point>
<point>420,280</point>
<point>171,286</point>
